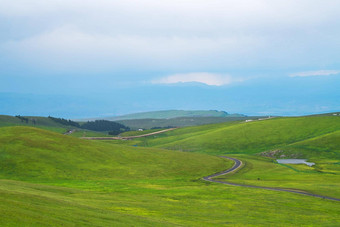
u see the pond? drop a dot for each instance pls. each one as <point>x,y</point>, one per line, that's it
<point>295,161</point>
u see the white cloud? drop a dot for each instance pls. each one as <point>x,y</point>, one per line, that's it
<point>68,46</point>
<point>315,73</point>
<point>191,35</point>
<point>211,79</point>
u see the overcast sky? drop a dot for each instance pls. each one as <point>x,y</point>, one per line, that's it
<point>72,45</point>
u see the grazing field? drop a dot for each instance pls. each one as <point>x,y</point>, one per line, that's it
<point>247,138</point>
<point>323,178</point>
<point>138,133</point>
<point>33,121</point>
<point>48,123</point>
<point>30,153</point>
<point>320,147</point>
<point>88,133</point>
<point>179,121</point>
<point>316,138</point>
<point>51,179</point>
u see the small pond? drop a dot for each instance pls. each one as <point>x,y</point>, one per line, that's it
<point>295,161</point>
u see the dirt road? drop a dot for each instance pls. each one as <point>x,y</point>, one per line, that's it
<point>128,137</point>
<point>238,165</point>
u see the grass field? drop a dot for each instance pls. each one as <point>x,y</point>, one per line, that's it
<point>29,153</point>
<point>51,179</point>
<point>323,178</point>
<point>179,121</point>
<point>247,138</point>
<point>316,138</point>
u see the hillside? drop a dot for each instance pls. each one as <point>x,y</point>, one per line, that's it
<point>34,121</point>
<point>48,179</point>
<point>30,153</point>
<point>327,145</point>
<point>179,121</point>
<point>100,128</point>
<point>166,114</point>
<point>245,137</point>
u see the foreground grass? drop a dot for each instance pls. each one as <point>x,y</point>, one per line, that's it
<point>49,179</point>
<point>30,153</point>
<point>157,203</point>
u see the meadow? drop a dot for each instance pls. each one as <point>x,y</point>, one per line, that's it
<point>49,179</point>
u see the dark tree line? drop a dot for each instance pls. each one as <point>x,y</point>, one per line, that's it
<point>23,119</point>
<point>112,127</point>
<point>65,122</point>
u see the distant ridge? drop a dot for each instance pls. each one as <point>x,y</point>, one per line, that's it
<point>168,114</point>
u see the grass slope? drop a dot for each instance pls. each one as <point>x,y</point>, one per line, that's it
<point>316,138</point>
<point>324,146</point>
<point>30,153</point>
<point>50,179</point>
<point>250,138</point>
<point>179,122</point>
<point>323,178</point>
<point>38,122</point>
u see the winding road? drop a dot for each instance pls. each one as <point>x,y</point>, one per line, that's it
<point>238,165</point>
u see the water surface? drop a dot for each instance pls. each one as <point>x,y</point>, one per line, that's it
<point>295,161</point>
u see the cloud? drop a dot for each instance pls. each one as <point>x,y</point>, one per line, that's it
<point>170,35</point>
<point>315,73</point>
<point>70,47</point>
<point>211,79</point>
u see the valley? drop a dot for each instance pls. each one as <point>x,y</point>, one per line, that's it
<point>47,178</point>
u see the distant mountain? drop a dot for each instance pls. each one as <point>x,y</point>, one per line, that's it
<point>168,114</point>
<point>150,123</point>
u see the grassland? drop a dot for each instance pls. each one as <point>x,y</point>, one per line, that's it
<point>48,124</point>
<point>316,138</point>
<point>37,122</point>
<point>247,138</point>
<point>52,179</point>
<point>28,153</point>
<point>179,122</point>
<point>323,178</point>
<point>138,133</point>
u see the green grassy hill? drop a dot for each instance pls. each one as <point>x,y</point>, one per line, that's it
<point>6,120</point>
<point>179,121</point>
<point>324,146</point>
<point>33,121</point>
<point>48,124</point>
<point>316,138</point>
<point>30,153</point>
<point>248,138</point>
<point>48,179</point>
<point>167,114</point>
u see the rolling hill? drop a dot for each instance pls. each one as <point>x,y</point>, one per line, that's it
<point>245,137</point>
<point>167,114</point>
<point>179,121</point>
<point>49,179</point>
<point>31,153</point>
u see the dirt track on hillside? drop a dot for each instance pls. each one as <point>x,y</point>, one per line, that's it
<point>238,165</point>
<point>128,137</point>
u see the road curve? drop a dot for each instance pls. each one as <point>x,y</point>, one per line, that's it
<point>238,165</point>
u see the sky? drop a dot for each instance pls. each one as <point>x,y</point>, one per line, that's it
<point>86,58</point>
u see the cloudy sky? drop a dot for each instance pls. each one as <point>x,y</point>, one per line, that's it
<point>248,56</point>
